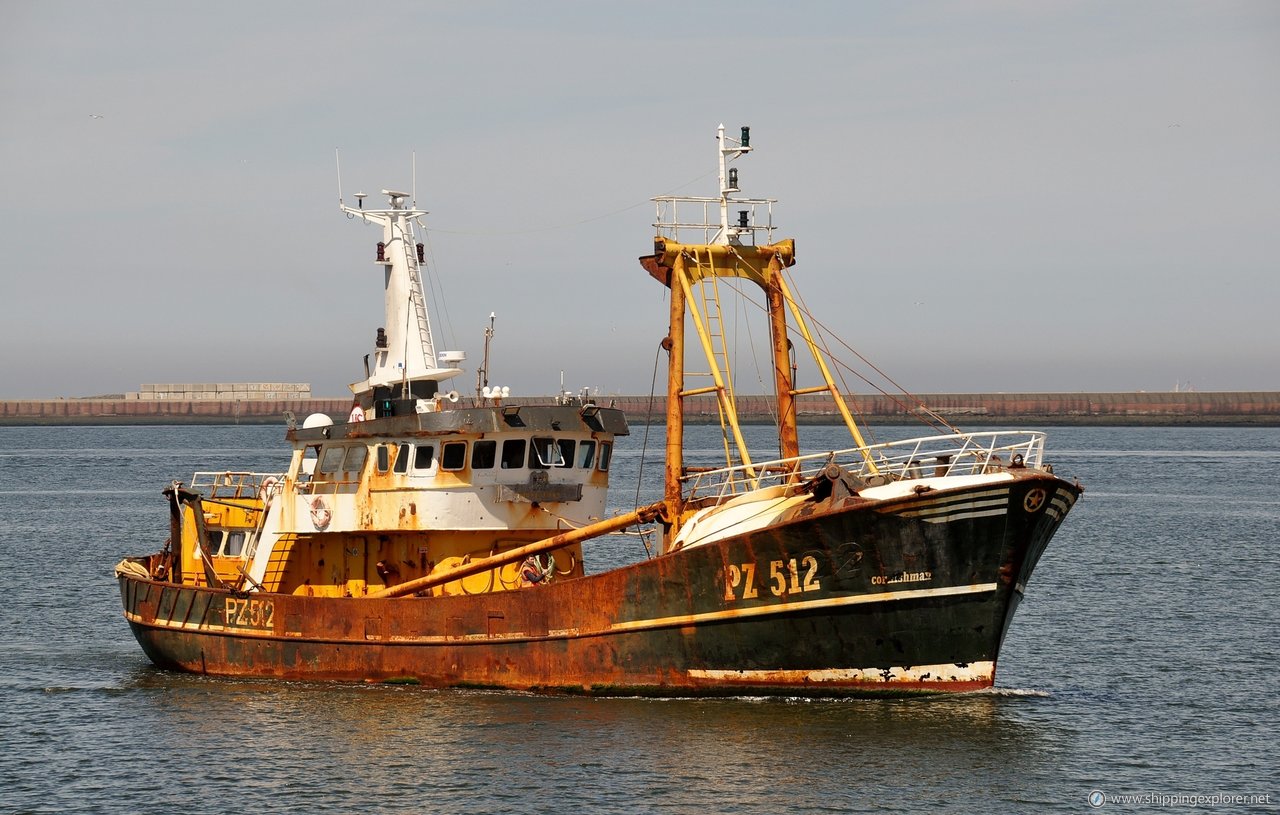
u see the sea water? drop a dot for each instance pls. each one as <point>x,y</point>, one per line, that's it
<point>1142,663</point>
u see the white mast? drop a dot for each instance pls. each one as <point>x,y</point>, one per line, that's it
<point>405,353</point>
<point>729,149</point>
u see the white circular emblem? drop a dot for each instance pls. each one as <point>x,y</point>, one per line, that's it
<point>1034,500</point>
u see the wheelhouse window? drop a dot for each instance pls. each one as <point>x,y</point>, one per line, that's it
<point>513,454</point>
<point>310,457</point>
<point>544,453</point>
<point>586,454</point>
<point>606,452</point>
<point>233,545</point>
<point>384,457</point>
<point>402,459</point>
<point>484,454</point>
<point>454,455</point>
<point>226,543</point>
<point>566,452</point>
<point>331,458</point>
<point>353,461</point>
<point>425,456</point>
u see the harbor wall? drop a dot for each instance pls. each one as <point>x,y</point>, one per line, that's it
<point>964,409</point>
<point>226,391</point>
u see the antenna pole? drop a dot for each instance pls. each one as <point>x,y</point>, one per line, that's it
<point>482,373</point>
<point>724,195</point>
<point>413,171</point>
<point>338,163</point>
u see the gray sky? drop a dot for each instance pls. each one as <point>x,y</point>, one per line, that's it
<point>986,196</point>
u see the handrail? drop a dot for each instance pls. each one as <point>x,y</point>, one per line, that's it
<point>232,483</point>
<point>938,456</point>
<point>669,225</point>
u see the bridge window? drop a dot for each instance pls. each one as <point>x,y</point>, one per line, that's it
<point>566,452</point>
<point>454,455</point>
<point>310,456</point>
<point>484,454</point>
<point>402,459</point>
<point>426,454</point>
<point>606,452</point>
<point>384,457</point>
<point>224,543</point>
<point>354,460</point>
<point>544,453</point>
<point>331,459</point>
<point>513,454</point>
<point>234,544</point>
<point>586,454</point>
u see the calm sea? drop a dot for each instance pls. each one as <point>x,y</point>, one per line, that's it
<point>1143,662</point>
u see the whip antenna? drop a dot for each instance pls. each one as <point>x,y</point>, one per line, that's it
<point>338,164</point>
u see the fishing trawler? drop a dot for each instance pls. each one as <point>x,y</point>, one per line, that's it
<point>434,541</point>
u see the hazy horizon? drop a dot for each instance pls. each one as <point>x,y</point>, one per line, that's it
<point>986,196</point>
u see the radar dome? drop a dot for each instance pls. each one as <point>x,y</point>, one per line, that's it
<point>317,420</point>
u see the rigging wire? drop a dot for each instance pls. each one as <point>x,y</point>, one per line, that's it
<point>824,332</point>
<point>569,225</point>
<point>644,446</point>
<point>820,337</point>
<point>770,404</point>
<point>438,298</point>
<point>917,411</point>
<point>726,376</point>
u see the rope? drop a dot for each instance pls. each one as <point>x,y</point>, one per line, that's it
<point>938,421</point>
<point>820,337</point>
<point>437,282</point>
<point>826,331</point>
<point>644,446</point>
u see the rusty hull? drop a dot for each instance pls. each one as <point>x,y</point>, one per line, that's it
<point>853,596</point>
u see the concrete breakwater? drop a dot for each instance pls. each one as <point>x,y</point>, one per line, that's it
<point>963,409</point>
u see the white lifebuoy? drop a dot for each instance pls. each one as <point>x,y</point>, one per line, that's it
<point>268,489</point>
<point>320,514</point>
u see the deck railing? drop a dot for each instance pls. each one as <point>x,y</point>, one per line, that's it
<point>233,484</point>
<point>927,456</point>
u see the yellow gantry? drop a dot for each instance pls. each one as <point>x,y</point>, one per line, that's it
<point>684,265</point>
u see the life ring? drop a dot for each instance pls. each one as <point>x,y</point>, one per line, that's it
<point>320,515</point>
<point>268,489</point>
